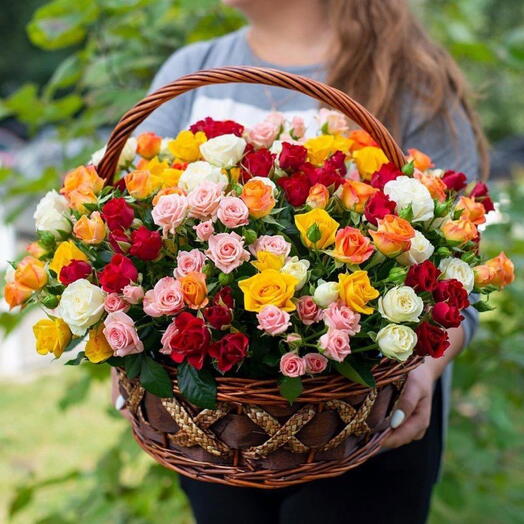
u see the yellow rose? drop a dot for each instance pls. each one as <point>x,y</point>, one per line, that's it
<point>268,260</point>
<point>186,146</point>
<point>368,160</point>
<point>270,287</point>
<point>64,255</point>
<point>327,227</point>
<point>356,291</point>
<point>323,146</point>
<point>52,336</point>
<point>97,348</point>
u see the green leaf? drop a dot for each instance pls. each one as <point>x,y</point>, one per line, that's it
<point>313,233</point>
<point>73,343</point>
<point>357,370</point>
<point>290,388</point>
<point>23,496</point>
<point>133,365</point>
<point>197,386</point>
<point>482,306</point>
<point>155,379</point>
<point>409,169</point>
<point>76,361</point>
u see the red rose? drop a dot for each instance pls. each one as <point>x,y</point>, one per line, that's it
<point>229,350</point>
<point>385,174</point>
<point>213,128</point>
<point>432,340</point>
<point>116,236</point>
<point>292,156</point>
<point>337,161</point>
<point>145,244</point>
<point>75,270</point>
<point>218,317</point>
<point>327,175</point>
<point>117,274</point>
<point>481,194</point>
<point>120,185</point>
<point>423,277</point>
<point>189,340</point>
<point>118,214</point>
<point>446,315</point>
<point>257,163</point>
<point>378,206</point>
<point>451,291</point>
<point>296,188</point>
<point>455,180</point>
<point>224,297</point>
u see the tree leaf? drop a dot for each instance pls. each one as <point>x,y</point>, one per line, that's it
<point>357,370</point>
<point>197,386</point>
<point>155,379</point>
<point>290,388</point>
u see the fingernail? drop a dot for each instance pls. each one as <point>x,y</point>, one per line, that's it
<point>120,402</point>
<point>397,418</point>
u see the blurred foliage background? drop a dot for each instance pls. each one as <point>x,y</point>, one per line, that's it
<point>70,70</point>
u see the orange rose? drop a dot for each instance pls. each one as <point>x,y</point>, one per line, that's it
<point>484,275</point>
<point>90,230</point>
<point>318,196</point>
<point>35,250</point>
<point>351,246</point>
<point>420,160</point>
<point>81,185</point>
<point>31,273</point>
<point>504,270</point>
<point>471,210</point>
<point>148,145</point>
<point>258,197</point>
<point>167,191</point>
<point>194,290</point>
<point>142,184</point>
<point>393,235</point>
<point>354,195</point>
<point>16,294</point>
<point>360,139</point>
<point>434,184</point>
<point>461,230</point>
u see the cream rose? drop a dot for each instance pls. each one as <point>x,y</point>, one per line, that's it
<point>223,150</point>
<point>198,172</point>
<point>459,270</point>
<point>401,304</point>
<point>81,306</point>
<point>298,269</point>
<point>405,191</point>
<point>51,214</point>
<point>396,341</point>
<point>421,249</point>
<point>126,156</point>
<point>326,293</point>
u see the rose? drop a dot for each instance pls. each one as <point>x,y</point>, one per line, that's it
<point>422,277</point>
<point>298,128</point>
<point>133,294</point>
<point>204,230</point>
<point>318,196</point>
<point>31,272</point>
<point>74,271</point>
<point>446,315</point>
<point>166,298</point>
<point>267,260</point>
<point>369,160</point>
<point>432,340</point>
<point>170,212</point>
<point>81,185</point>
<point>500,269</point>
<point>396,341</point>
<point>480,193</point>
<point>354,195</point>
<point>204,199</point>
<point>393,235</point>
<point>218,317</point>
<point>15,294</point>
<point>52,214</point>
<point>121,334</point>
<point>36,250</point>
<point>65,253</point>
<point>351,246</point>
<point>356,291</point>
<point>458,269</point>
<point>148,145</point>
<point>360,139</point>
<point>298,269</point>
<point>335,344</point>
<point>270,287</point>
<point>118,214</point>
<point>386,173</point>
<point>51,336</point>
<point>91,230</point>
<point>145,244</point>
<point>194,290</point>
<point>224,297</point>
<point>276,244</point>
<point>420,160</point>
<point>189,262</point>
<point>229,350</point>
<point>332,122</point>
<point>97,349</point>
<point>296,188</point>
<point>315,363</point>
<point>339,316</point>
<point>378,207</point>
<point>325,226</point>
<point>459,231</point>
<point>226,251</point>
<point>119,241</point>
<point>419,251</point>
<point>186,145</point>
<point>114,302</point>
<point>320,148</point>
<point>471,210</point>
<point>436,187</point>
<point>308,310</point>
<point>330,174</point>
<point>213,128</point>
<point>401,304</point>
<point>291,365</point>
<point>326,293</point>
<point>81,306</point>
<point>292,156</point>
<point>263,133</point>
<point>223,150</point>
<point>198,172</point>
<point>454,180</point>
<point>406,191</point>
<point>273,320</point>
<point>257,163</point>
<point>258,197</point>
<point>232,212</point>
<point>142,183</point>
<point>452,292</point>
<point>117,274</point>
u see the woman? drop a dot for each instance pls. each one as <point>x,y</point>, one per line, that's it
<point>376,52</point>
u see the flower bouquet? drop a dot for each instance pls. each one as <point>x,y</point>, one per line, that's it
<point>261,292</point>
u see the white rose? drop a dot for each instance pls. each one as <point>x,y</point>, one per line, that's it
<point>126,156</point>
<point>401,304</point>
<point>199,172</point>
<point>52,214</point>
<point>223,150</point>
<point>298,269</point>
<point>396,341</point>
<point>459,270</point>
<point>405,191</point>
<point>81,306</point>
<point>164,147</point>
<point>421,249</point>
<point>276,147</point>
<point>326,293</point>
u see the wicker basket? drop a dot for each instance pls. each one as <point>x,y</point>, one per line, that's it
<point>254,438</point>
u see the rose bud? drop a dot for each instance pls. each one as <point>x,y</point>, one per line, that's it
<point>446,315</point>
<point>148,145</point>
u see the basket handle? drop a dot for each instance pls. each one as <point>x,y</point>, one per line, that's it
<point>248,75</point>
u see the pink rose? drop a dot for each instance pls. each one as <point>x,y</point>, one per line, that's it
<point>273,320</point>
<point>291,365</point>
<point>298,128</point>
<point>293,338</point>
<point>165,298</point>
<point>263,134</point>
<point>133,294</point>
<point>273,243</point>
<point>114,302</point>
<point>168,335</point>
<point>203,201</point>
<point>204,230</point>
<point>121,334</point>
<point>334,121</point>
<point>170,212</point>
<point>315,363</point>
<point>232,212</point>
<point>335,344</point>
<point>339,316</point>
<point>226,251</point>
<point>308,310</point>
<point>275,118</point>
<point>189,262</point>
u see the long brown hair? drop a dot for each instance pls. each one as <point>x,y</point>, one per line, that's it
<point>391,53</point>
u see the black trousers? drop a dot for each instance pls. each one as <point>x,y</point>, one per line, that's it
<point>393,487</point>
